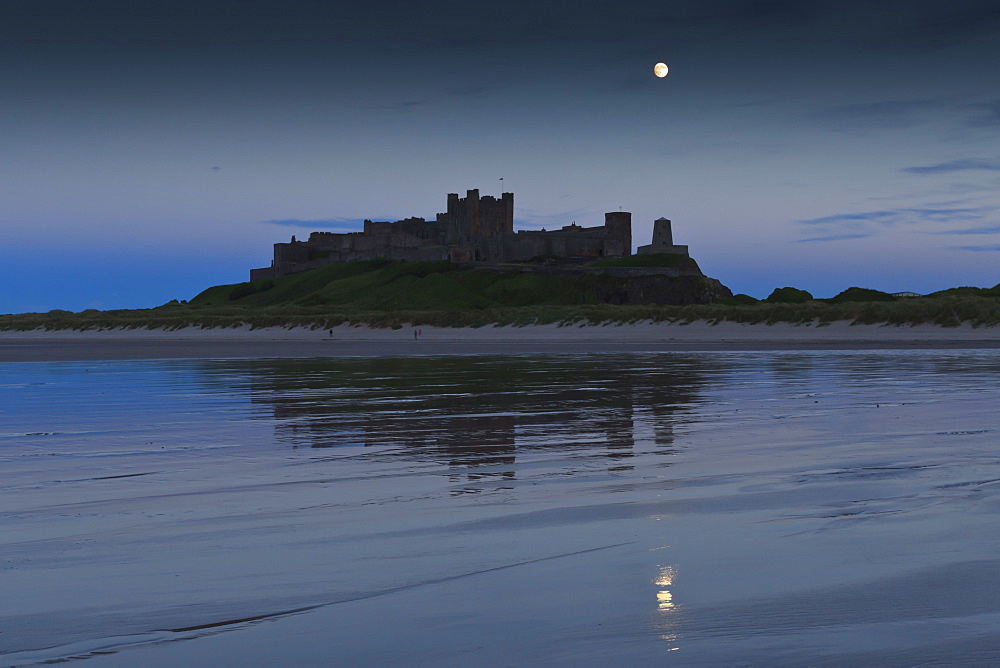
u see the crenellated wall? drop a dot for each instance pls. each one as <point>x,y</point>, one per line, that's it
<point>473,217</point>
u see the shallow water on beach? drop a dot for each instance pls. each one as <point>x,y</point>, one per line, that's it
<point>771,508</point>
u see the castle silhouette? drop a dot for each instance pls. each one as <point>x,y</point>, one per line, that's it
<point>474,229</point>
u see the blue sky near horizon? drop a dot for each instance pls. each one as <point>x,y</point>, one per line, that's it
<point>153,149</point>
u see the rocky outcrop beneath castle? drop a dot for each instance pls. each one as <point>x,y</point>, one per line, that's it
<point>632,285</point>
<point>662,290</point>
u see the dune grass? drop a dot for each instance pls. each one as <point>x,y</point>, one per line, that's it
<point>946,311</point>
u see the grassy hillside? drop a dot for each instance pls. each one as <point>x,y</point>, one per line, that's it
<point>388,286</point>
<point>394,285</point>
<point>396,294</point>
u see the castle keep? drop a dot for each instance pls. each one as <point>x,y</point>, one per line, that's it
<point>473,229</point>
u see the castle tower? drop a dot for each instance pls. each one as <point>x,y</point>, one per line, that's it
<point>662,234</point>
<point>618,226</point>
<point>450,218</point>
<point>507,213</point>
<point>475,217</point>
<point>663,240</point>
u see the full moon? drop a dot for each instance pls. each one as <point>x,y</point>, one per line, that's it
<point>660,69</point>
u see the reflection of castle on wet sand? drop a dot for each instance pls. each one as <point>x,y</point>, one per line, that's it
<point>485,423</point>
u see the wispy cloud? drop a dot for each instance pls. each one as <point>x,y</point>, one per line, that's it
<point>960,165</point>
<point>337,224</point>
<point>977,248</point>
<point>863,224</point>
<point>865,217</point>
<point>874,115</point>
<point>987,229</point>
<point>986,115</point>
<point>838,237</point>
<point>890,217</point>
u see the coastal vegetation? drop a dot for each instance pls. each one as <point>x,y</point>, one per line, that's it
<point>397,294</point>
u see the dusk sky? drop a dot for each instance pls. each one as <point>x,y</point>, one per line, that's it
<point>151,149</point>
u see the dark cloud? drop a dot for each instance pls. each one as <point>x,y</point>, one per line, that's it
<point>944,24</point>
<point>880,26</point>
<point>960,165</point>
<point>441,24</point>
<point>431,24</point>
<point>909,24</point>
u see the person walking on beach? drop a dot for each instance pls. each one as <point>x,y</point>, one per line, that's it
<point>414,335</point>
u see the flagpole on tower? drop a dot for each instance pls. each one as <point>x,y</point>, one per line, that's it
<point>501,186</point>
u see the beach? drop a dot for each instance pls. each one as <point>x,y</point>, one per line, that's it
<point>346,340</point>
<point>582,501</point>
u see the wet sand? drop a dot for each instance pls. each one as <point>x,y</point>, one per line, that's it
<point>750,508</point>
<point>241,342</point>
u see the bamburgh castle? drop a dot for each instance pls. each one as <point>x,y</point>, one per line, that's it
<point>473,229</point>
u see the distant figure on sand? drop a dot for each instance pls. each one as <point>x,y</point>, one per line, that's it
<point>414,335</point>
<point>331,333</point>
